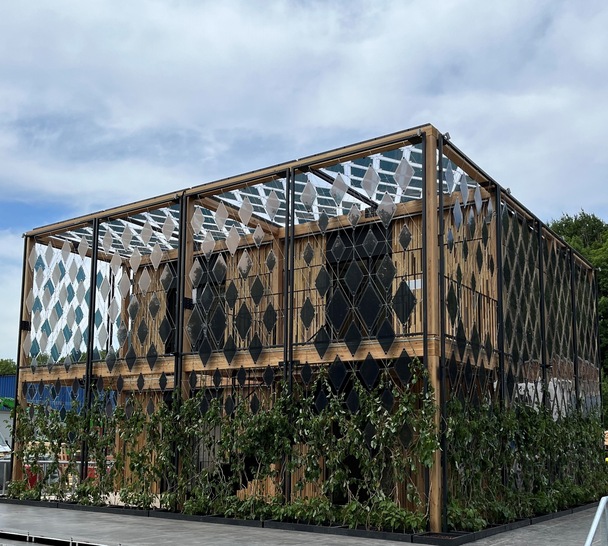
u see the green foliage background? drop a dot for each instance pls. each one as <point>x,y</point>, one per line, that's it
<point>7,366</point>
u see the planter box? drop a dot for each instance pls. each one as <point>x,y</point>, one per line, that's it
<point>124,510</point>
<point>164,514</point>
<point>443,539</point>
<point>304,527</point>
<point>585,507</point>
<point>337,530</point>
<point>30,502</point>
<point>232,521</point>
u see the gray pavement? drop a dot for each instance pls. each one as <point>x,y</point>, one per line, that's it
<point>113,529</point>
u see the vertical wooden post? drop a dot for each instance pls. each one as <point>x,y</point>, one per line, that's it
<point>27,282</point>
<point>432,322</point>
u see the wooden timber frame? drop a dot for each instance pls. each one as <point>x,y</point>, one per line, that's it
<point>255,273</point>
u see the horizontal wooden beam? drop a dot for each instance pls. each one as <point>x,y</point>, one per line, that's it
<point>270,357</point>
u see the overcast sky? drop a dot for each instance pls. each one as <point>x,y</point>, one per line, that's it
<point>105,102</point>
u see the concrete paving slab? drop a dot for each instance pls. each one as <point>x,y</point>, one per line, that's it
<point>115,529</point>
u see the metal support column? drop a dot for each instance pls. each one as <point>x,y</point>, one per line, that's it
<point>286,273</point>
<point>543,311</point>
<point>88,391</point>
<point>577,387</point>
<point>598,347</point>
<point>179,300</point>
<point>292,262</point>
<point>499,304</point>
<point>442,340</point>
<point>179,311</point>
<point>288,265</point>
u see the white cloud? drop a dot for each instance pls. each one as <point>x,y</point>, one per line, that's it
<point>105,102</point>
<point>11,253</point>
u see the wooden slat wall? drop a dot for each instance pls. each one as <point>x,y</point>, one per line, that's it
<point>478,307</point>
<point>304,286</point>
<point>144,299</point>
<point>243,285</point>
<point>408,264</point>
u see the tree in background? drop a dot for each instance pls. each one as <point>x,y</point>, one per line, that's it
<point>7,366</point>
<point>589,235</point>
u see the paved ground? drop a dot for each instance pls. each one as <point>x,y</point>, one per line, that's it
<point>565,531</point>
<point>122,530</point>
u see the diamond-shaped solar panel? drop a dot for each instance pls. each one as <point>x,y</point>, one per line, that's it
<point>243,321</point>
<point>257,290</point>
<point>229,349</point>
<point>353,277</point>
<point>323,281</point>
<point>307,313</point>
<point>337,373</point>
<point>404,302</point>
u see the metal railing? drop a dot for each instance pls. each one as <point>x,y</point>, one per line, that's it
<point>5,465</point>
<point>601,511</point>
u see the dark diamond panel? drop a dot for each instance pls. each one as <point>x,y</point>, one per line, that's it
<point>205,350</point>
<point>243,321</point>
<point>270,318</point>
<point>352,401</point>
<point>322,341</point>
<point>307,313</point>
<point>321,401</point>
<point>404,302</point>
<point>369,371</point>
<point>152,356</point>
<point>241,376</point>
<point>255,404</point>
<point>255,348</point>
<point>369,305</point>
<point>337,373</point>
<point>353,277</point>
<point>257,291</point>
<point>386,336</point>
<point>229,349</point>
<point>306,374</point>
<point>232,295</point>
<point>268,376</point>
<point>403,368</point>
<point>323,281</point>
<point>353,338</point>
<point>337,309</point>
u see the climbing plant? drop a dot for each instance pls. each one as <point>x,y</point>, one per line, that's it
<point>511,463</point>
<point>355,461</point>
<point>46,442</point>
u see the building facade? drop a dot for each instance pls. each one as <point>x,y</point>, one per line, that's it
<point>350,265</point>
